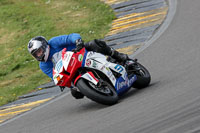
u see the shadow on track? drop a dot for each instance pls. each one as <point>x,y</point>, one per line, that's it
<point>134,91</point>
<point>86,105</point>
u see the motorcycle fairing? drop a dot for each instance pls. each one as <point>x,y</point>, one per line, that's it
<point>123,85</point>
<point>98,61</point>
<point>70,63</point>
<point>66,58</point>
<point>67,67</point>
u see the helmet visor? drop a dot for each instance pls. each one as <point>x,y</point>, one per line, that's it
<point>39,54</point>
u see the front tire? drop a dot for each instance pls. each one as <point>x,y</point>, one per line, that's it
<point>109,97</point>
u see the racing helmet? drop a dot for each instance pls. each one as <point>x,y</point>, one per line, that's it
<point>38,47</point>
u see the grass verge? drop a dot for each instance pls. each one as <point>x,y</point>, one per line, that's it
<point>20,20</point>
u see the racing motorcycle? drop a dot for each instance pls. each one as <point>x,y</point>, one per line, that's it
<point>99,78</point>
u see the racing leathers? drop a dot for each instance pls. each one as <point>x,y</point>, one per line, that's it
<point>69,41</point>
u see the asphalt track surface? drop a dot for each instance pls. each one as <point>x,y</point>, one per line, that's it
<point>171,104</point>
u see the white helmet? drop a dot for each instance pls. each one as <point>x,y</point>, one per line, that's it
<point>38,47</point>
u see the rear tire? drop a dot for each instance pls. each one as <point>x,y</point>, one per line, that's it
<point>143,77</point>
<point>89,91</point>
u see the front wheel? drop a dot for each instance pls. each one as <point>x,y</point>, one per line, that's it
<point>105,94</point>
<point>143,77</point>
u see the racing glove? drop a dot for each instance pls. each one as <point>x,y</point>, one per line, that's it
<point>79,44</point>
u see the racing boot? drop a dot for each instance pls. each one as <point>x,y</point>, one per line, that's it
<point>76,94</point>
<point>101,47</point>
<point>119,57</point>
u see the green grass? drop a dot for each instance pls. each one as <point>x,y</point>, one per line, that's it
<point>20,20</point>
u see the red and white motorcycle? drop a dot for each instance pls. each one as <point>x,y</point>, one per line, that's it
<point>97,78</point>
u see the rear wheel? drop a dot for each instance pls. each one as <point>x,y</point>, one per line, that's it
<point>104,94</point>
<point>143,77</point>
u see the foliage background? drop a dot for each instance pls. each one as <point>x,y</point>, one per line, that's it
<point>20,20</point>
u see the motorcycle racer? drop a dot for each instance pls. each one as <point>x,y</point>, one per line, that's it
<point>43,50</point>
